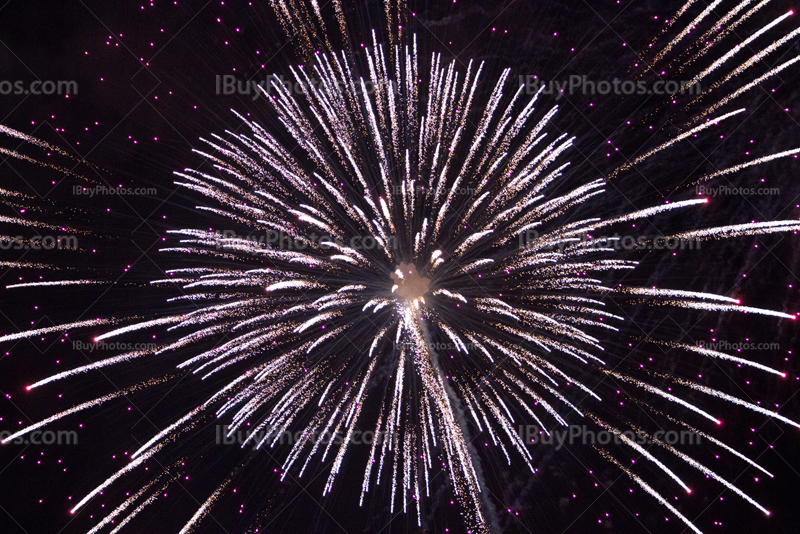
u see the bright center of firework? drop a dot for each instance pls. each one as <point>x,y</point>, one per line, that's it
<point>408,283</point>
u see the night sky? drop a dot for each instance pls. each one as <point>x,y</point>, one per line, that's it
<point>147,76</point>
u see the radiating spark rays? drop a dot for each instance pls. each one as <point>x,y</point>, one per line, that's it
<point>204,509</point>
<point>734,51</point>
<point>638,448</point>
<point>720,355</point>
<point>41,144</point>
<point>668,396</point>
<point>651,491</point>
<point>757,161</point>
<point>676,139</point>
<point>27,264</point>
<point>380,173</point>
<point>59,328</point>
<point>723,307</point>
<point>139,326</point>
<point>736,230</point>
<point>36,224</point>
<point>740,402</point>
<point>147,502</point>
<point>726,447</point>
<point>124,506</point>
<point>756,59</point>
<point>122,358</point>
<point>75,409</point>
<point>708,472</point>
<point>709,9</point>
<point>706,40</point>
<point>125,470</point>
<point>165,432</point>
<point>57,283</point>
<point>674,293</point>
<point>721,102</point>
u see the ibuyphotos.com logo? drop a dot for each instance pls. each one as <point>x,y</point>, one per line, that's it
<point>583,435</point>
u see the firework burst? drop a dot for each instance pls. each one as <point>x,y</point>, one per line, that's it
<point>380,281</point>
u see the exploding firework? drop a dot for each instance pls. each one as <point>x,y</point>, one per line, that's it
<point>411,265</point>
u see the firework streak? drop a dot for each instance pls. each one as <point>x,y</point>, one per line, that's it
<point>433,267</point>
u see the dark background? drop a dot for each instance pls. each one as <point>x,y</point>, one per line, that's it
<point>146,74</point>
